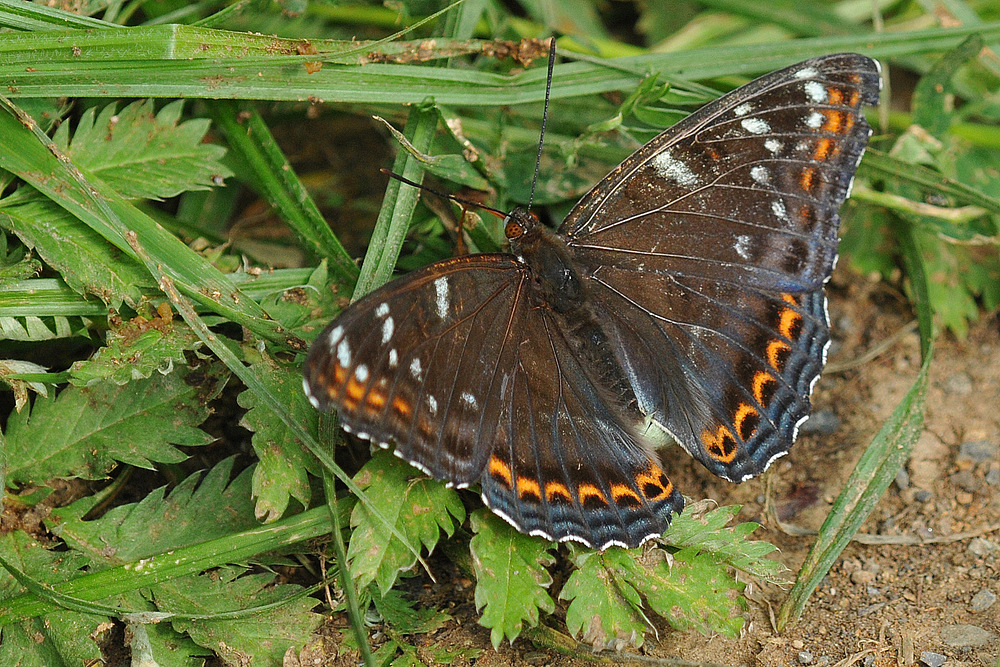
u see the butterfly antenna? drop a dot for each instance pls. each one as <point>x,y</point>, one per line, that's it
<point>545,118</point>
<point>443,195</point>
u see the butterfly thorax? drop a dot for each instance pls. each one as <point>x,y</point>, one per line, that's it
<point>556,281</point>
<point>559,286</point>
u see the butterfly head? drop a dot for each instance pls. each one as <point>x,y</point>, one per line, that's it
<point>519,223</point>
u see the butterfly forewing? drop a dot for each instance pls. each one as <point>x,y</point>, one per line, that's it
<point>714,240</point>
<point>418,362</point>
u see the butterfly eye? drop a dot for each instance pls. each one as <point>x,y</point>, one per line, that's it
<point>513,229</point>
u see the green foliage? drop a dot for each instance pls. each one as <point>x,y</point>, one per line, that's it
<point>283,463</point>
<point>83,184</point>
<point>511,577</point>
<point>418,507</point>
<point>84,431</point>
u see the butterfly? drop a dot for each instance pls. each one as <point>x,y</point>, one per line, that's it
<point>681,299</point>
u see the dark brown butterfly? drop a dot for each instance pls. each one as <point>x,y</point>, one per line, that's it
<point>682,297</point>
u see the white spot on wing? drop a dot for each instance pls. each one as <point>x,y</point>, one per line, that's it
<point>807,73</point>
<point>755,125</point>
<point>344,354</point>
<point>742,246</point>
<point>334,337</point>
<point>415,369</point>
<point>361,372</point>
<point>815,120</point>
<point>432,404</point>
<point>393,358</point>
<point>309,394</point>
<point>382,310</point>
<point>470,400</point>
<point>673,170</point>
<point>760,174</point>
<point>778,208</point>
<point>441,288</point>
<point>388,326</point>
<point>773,145</point>
<point>743,109</point>
<point>815,91</point>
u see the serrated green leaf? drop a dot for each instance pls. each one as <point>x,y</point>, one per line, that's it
<point>688,589</point>
<point>419,507</point>
<point>511,579</point>
<point>84,431</point>
<point>84,260</point>
<point>135,350</point>
<point>398,612</point>
<point>66,635</point>
<point>31,328</point>
<point>266,637</point>
<point>142,154</point>
<point>125,533</point>
<point>931,96</point>
<point>16,263</point>
<point>285,464</point>
<point>695,591</point>
<point>602,613</point>
<point>710,532</point>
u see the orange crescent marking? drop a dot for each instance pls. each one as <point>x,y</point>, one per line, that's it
<point>834,96</point>
<point>774,350</point>
<point>339,373</point>
<point>376,399</point>
<point>653,476</point>
<point>401,406</point>
<point>557,489</point>
<point>526,485</point>
<point>742,412</point>
<point>806,180</point>
<point>822,149</point>
<point>621,491</point>
<point>760,380</point>
<point>355,390</point>
<point>587,490</point>
<point>834,121</point>
<point>789,320</point>
<point>499,469</point>
<point>714,444</point>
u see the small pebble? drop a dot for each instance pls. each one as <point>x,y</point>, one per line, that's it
<point>798,644</point>
<point>966,480</point>
<point>983,600</point>
<point>902,479</point>
<point>978,451</point>
<point>821,422</point>
<point>993,475</point>
<point>980,546</point>
<point>922,495</point>
<point>958,383</point>
<point>932,659</point>
<point>965,635</point>
<point>862,577</point>
<point>805,658</point>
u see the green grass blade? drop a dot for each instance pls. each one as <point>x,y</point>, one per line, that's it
<point>397,206</point>
<point>30,154</point>
<point>346,577</point>
<point>178,72</point>
<point>878,466</point>
<point>235,548</point>
<point>256,148</point>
